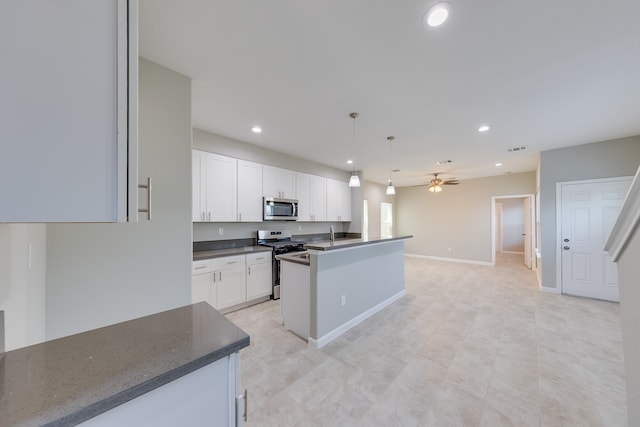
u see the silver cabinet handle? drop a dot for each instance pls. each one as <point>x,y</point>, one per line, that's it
<point>259,258</point>
<point>202,216</point>
<point>239,216</point>
<point>201,267</point>
<point>147,186</point>
<point>209,218</point>
<point>220,276</point>
<point>249,271</point>
<point>232,262</point>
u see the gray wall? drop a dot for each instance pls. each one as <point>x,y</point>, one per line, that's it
<point>99,274</point>
<point>619,157</point>
<point>376,194</point>
<point>22,283</point>
<point>458,218</point>
<point>242,150</point>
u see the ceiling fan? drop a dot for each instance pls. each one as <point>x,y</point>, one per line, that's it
<point>435,185</point>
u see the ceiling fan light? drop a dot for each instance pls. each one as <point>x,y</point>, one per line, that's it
<point>390,189</point>
<point>354,181</point>
<point>432,189</point>
<point>438,189</point>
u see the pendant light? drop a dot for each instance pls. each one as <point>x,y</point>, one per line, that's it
<point>354,181</point>
<point>390,188</point>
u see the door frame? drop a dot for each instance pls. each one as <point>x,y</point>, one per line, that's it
<point>532,198</point>
<point>559,186</point>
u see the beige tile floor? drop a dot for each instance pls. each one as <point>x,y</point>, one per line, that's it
<point>467,346</point>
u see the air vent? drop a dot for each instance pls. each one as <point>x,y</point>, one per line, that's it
<point>396,170</point>
<point>514,149</point>
<point>443,162</point>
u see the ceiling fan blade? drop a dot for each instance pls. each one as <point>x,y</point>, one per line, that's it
<point>450,183</point>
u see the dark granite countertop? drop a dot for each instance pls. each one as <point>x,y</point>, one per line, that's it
<point>347,243</point>
<point>216,253</point>
<point>69,380</point>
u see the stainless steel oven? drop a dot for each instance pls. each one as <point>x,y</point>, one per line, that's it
<point>281,243</point>
<point>279,209</point>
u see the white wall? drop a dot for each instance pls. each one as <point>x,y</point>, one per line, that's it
<point>100,274</point>
<point>213,143</point>
<point>22,283</point>
<point>512,224</point>
<point>375,194</point>
<point>458,218</point>
<point>619,157</point>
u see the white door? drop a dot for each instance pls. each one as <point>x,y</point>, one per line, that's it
<point>527,231</point>
<point>588,211</point>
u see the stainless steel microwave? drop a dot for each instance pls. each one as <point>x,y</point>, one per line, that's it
<point>279,209</point>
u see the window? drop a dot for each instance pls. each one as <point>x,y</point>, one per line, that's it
<point>386,219</point>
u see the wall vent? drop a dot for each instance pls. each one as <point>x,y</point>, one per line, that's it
<point>514,149</point>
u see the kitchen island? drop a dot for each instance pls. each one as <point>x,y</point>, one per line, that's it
<point>336,285</point>
<point>178,367</point>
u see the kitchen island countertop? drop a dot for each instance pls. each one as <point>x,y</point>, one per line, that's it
<point>346,243</point>
<point>217,253</point>
<point>72,379</point>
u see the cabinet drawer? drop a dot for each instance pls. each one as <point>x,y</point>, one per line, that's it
<point>201,267</point>
<point>227,262</point>
<point>258,258</point>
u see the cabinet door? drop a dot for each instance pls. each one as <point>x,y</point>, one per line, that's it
<point>66,89</point>
<point>201,287</point>
<point>278,183</point>
<point>345,202</point>
<point>230,287</point>
<point>318,198</point>
<point>258,280</point>
<point>338,201</point>
<point>303,196</point>
<point>333,200</point>
<point>249,191</point>
<point>222,192</point>
<point>199,185</point>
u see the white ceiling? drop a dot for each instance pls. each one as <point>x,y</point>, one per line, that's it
<point>545,74</point>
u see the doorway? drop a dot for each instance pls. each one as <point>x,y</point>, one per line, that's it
<point>586,212</point>
<point>513,227</point>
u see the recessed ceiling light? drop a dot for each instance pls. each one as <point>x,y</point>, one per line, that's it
<point>436,15</point>
<point>349,162</point>
<point>498,164</point>
<point>484,128</point>
<point>443,162</point>
<point>256,129</point>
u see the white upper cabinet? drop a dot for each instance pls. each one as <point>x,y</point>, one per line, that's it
<point>249,191</point>
<point>221,183</point>
<point>199,185</point>
<point>338,201</point>
<point>278,183</point>
<point>225,189</point>
<point>68,111</point>
<point>311,192</point>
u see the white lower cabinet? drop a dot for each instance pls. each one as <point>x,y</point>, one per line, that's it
<point>209,396</point>
<point>229,281</point>
<point>258,275</point>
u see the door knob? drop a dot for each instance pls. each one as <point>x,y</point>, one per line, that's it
<point>566,248</point>
<point>566,240</point>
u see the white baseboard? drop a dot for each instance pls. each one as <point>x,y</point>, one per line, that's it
<point>513,252</point>
<point>464,261</point>
<point>327,338</point>
<point>550,290</point>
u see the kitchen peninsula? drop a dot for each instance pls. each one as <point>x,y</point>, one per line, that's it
<point>178,367</point>
<point>336,285</point>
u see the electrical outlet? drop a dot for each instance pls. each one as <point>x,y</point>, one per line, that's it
<point>220,231</point>
<point>343,300</point>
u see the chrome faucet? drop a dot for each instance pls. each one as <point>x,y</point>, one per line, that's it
<point>332,236</point>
